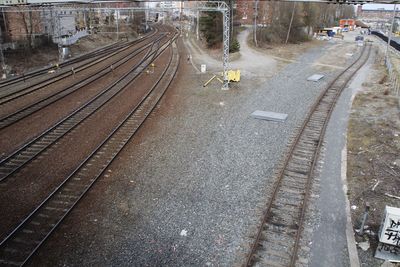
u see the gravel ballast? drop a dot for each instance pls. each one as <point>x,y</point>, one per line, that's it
<point>190,188</point>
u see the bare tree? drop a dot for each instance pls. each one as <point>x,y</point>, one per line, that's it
<point>29,21</point>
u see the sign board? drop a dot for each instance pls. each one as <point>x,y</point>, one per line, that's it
<point>389,236</point>
<point>390,231</point>
<point>203,68</point>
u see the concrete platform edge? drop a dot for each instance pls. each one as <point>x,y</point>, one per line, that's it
<point>351,242</point>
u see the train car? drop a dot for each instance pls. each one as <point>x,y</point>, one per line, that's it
<point>393,43</point>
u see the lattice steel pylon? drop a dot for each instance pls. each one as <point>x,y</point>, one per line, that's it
<point>225,38</point>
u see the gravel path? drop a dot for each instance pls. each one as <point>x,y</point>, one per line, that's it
<point>329,244</point>
<point>189,189</point>
<point>249,61</point>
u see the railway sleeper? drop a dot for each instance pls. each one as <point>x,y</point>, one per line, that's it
<point>61,202</point>
<point>286,224</point>
<point>287,201</point>
<point>20,240</point>
<point>295,174</point>
<point>317,118</point>
<point>312,130</point>
<point>319,115</point>
<point>320,112</point>
<point>36,145</point>
<point>315,126</point>
<point>15,249</point>
<point>280,237</point>
<point>60,194</point>
<point>292,183</point>
<point>43,142</point>
<point>310,137</point>
<point>10,263</point>
<point>285,208</point>
<point>292,194</point>
<point>302,154</point>
<point>301,159</point>
<point>272,251</point>
<point>292,191</point>
<point>260,261</point>
<point>14,163</point>
<point>271,259</point>
<point>329,96</point>
<point>27,152</point>
<point>304,147</point>
<point>309,140</point>
<point>282,220</point>
<point>298,168</point>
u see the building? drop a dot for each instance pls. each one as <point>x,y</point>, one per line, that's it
<point>368,13</point>
<point>349,24</point>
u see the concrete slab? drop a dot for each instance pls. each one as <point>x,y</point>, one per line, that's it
<point>387,252</point>
<point>315,77</point>
<point>268,115</point>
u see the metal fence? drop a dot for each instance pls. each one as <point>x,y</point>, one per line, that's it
<point>394,73</point>
<point>393,77</point>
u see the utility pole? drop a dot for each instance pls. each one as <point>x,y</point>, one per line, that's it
<point>290,24</point>
<point>116,20</point>
<point>197,24</point>
<point>390,34</point>
<point>84,19</point>
<point>60,52</point>
<point>255,22</point>
<point>3,64</point>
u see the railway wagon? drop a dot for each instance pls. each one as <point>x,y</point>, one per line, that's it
<point>393,43</point>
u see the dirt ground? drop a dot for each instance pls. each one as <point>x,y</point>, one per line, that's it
<point>284,52</point>
<point>373,172</point>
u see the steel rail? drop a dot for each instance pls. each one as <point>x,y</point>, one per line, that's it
<point>123,133</point>
<point>28,110</point>
<point>66,73</point>
<point>268,214</point>
<point>25,76</point>
<point>96,52</point>
<point>318,149</point>
<point>33,148</point>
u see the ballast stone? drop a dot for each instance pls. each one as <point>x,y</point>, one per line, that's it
<point>268,115</point>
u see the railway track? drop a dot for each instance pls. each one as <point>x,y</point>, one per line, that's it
<point>22,243</point>
<point>48,80</point>
<point>22,156</point>
<point>50,99</point>
<point>70,62</point>
<point>26,76</point>
<point>277,241</point>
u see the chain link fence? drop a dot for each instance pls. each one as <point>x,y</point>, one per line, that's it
<point>392,65</point>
